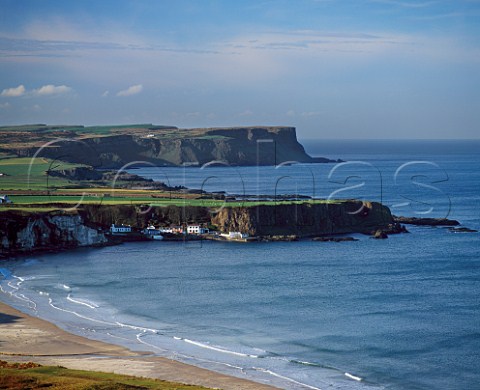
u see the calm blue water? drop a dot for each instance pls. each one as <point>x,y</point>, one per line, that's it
<point>402,313</point>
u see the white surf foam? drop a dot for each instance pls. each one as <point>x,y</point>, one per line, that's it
<point>217,349</point>
<point>83,302</point>
<point>285,378</point>
<point>354,377</point>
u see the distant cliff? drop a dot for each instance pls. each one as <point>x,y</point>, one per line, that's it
<point>233,146</point>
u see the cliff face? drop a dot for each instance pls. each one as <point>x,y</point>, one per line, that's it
<point>26,233</point>
<point>234,146</point>
<point>305,219</point>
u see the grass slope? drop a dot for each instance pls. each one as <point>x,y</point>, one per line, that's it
<point>28,174</point>
<point>33,376</point>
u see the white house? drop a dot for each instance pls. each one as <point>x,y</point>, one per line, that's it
<point>5,199</point>
<point>120,229</point>
<point>196,229</point>
<point>165,229</point>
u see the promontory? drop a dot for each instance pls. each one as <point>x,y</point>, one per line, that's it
<point>115,146</point>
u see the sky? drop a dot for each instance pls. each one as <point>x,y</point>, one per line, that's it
<point>395,69</point>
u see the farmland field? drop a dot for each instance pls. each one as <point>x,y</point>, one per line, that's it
<point>30,174</point>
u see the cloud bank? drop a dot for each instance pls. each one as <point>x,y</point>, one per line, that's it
<point>45,90</point>
<point>14,92</point>
<point>51,89</point>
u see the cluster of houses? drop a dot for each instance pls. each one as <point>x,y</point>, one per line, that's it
<point>157,233</point>
<point>152,230</point>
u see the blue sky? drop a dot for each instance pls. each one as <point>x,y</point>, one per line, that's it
<point>332,68</point>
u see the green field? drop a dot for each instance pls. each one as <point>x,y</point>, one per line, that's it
<point>27,174</point>
<point>109,129</point>
<point>42,202</point>
<point>106,129</point>
<point>38,128</point>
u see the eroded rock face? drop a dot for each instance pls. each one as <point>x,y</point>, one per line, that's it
<point>305,219</point>
<point>40,232</point>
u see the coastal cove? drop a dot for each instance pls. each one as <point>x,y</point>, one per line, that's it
<point>397,313</point>
<point>240,195</point>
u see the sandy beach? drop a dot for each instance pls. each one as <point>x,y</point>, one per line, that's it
<point>26,338</point>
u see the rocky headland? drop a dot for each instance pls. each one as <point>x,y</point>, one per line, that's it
<point>161,146</point>
<point>25,232</point>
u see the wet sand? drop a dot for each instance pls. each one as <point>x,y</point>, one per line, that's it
<point>27,338</point>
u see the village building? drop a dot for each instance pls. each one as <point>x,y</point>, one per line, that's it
<point>177,229</point>
<point>120,229</point>
<point>196,229</point>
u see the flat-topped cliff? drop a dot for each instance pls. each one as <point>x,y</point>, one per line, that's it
<point>305,219</point>
<point>157,145</point>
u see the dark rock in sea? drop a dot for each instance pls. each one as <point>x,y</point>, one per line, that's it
<point>391,228</point>
<point>334,239</point>
<point>426,221</point>
<point>395,228</point>
<point>380,235</point>
<point>462,230</point>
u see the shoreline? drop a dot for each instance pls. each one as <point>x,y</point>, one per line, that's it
<point>26,338</point>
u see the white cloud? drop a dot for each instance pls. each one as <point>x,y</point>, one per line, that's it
<point>14,92</point>
<point>51,89</point>
<point>5,105</point>
<point>133,90</point>
<point>105,94</point>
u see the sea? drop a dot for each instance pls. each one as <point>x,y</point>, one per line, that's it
<point>400,313</point>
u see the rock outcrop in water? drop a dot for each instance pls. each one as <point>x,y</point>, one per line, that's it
<point>426,221</point>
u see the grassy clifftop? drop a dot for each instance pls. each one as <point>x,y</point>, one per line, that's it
<point>115,146</point>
